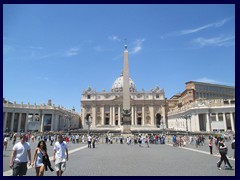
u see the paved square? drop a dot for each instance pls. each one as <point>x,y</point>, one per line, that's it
<point>132,160</point>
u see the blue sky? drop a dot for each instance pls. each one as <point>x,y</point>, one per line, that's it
<point>58,51</point>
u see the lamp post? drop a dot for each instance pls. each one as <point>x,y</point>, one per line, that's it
<point>210,120</point>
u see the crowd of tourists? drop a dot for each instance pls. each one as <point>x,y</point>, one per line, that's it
<point>21,153</point>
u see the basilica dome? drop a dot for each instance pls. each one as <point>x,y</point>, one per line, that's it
<point>118,85</point>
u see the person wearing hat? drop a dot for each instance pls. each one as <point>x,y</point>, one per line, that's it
<point>21,154</point>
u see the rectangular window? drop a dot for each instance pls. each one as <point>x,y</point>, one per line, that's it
<point>220,116</point>
<point>139,121</point>
<point>107,121</point>
<point>213,116</point>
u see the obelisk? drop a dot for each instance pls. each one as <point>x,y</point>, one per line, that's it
<point>126,95</point>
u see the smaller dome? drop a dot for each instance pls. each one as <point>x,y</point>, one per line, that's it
<point>118,85</point>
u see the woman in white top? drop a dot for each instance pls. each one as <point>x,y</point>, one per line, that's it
<point>39,153</point>
<point>5,143</point>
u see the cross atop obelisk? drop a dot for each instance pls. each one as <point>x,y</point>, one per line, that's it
<point>126,91</point>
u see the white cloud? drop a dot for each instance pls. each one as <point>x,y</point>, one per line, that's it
<point>48,55</point>
<point>138,46</point>
<point>207,80</point>
<point>99,48</point>
<point>38,48</point>
<point>189,31</point>
<point>114,38</point>
<point>215,41</point>
<point>216,24</point>
<point>212,81</point>
<point>72,52</point>
<point>42,78</point>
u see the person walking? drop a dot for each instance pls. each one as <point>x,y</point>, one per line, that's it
<point>147,141</point>
<point>40,159</point>
<point>60,155</point>
<point>139,140</point>
<point>52,139</point>
<point>223,152</point>
<point>14,139</point>
<point>210,144</point>
<point>20,155</point>
<point>93,141</point>
<point>216,140</point>
<point>5,143</point>
<point>83,138</point>
<point>89,141</point>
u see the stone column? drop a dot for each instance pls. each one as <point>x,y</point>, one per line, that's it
<point>5,121</point>
<point>110,118</point>
<point>94,111</point>
<point>57,125</point>
<point>151,109</point>
<point>132,116</point>
<point>135,115</point>
<point>26,123</point>
<point>217,119</point>
<point>143,115</point>
<point>232,122</point>
<point>164,117</point>
<point>207,123</point>
<point>52,122</point>
<point>119,115</point>
<point>33,117</point>
<point>103,115</point>
<point>83,117</point>
<point>42,123</point>
<point>19,121</point>
<point>12,121</point>
<point>195,119</point>
<point>224,121</point>
<point>114,115</point>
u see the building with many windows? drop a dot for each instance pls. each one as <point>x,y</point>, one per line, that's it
<point>199,90</point>
<point>202,107</point>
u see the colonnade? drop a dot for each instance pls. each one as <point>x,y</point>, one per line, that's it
<point>114,114</point>
<point>210,122</point>
<point>25,121</point>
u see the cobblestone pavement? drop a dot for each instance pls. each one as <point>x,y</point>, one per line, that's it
<point>132,160</point>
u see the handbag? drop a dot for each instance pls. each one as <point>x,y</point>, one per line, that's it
<point>223,151</point>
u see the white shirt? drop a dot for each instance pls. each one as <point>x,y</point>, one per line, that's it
<point>5,139</point>
<point>89,138</point>
<point>60,150</point>
<point>21,149</point>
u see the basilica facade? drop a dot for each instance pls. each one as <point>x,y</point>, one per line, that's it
<point>104,110</point>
